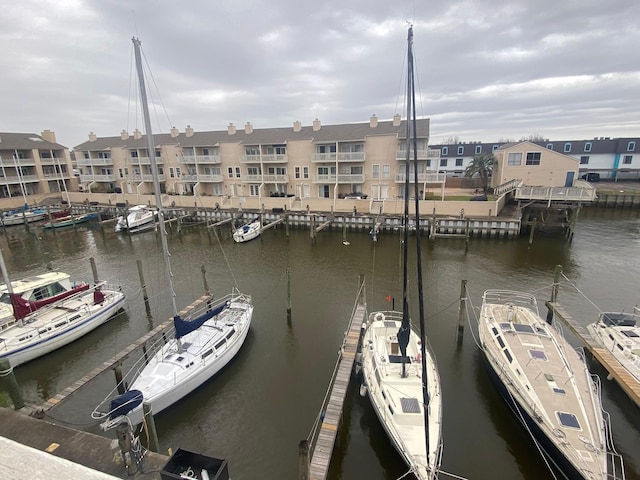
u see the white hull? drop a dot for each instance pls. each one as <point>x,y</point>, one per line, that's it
<point>546,382</point>
<point>57,325</point>
<point>247,232</point>
<point>621,338</point>
<point>400,408</point>
<point>138,219</point>
<point>19,219</point>
<point>166,379</point>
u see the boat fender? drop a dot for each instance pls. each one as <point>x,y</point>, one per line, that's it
<point>379,317</point>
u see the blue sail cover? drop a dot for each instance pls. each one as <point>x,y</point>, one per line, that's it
<point>123,404</point>
<point>187,326</point>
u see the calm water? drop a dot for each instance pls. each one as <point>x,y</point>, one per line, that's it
<point>255,412</point>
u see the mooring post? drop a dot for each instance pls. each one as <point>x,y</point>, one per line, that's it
<point>463,309</point>
<point>533,228</point>
<point>362,297</point>
<point>288,296</point>
<point>117,370</point>
<point>554,291</point>
<point>467,232</point>
<point>143,286</point>
<point>286,224</point>
<point>204,280</point>
<point>10,383</point>
<point>94,269</point>
<point>303,460</point>
<point>344,229</point>
<point>150,424</point>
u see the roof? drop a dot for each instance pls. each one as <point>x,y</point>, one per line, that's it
<point>351,132</point>
<point>22,141</point>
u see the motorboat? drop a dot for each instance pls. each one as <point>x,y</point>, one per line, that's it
<point>70,220</point>
<point>139,218</point>
<point>59,323</point>
<point>619,333</point>
<point>248,231</point>
<point>20,217</point>
<point>399,371</point>
<point>203,342</point>
<point>35,292</point>
<point>547,385</point>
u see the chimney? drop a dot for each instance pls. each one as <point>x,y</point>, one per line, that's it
<point>124,135</point>
<point>248,128</point>
<point>137,134</point>
<point>49,136</point>
<point>396,120</point>
<point>297,126</point>
<point>316,125</point>
<point>231,129</point>
<point>188,131</point>
<point>174,132</point>
<point>92,137</point>
<point>373,122</point>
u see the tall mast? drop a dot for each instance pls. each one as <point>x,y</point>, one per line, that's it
<point>154,171</point>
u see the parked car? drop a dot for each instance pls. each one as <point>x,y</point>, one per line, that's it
<point>591,177</point>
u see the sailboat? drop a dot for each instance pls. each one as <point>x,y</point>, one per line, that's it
<point>200,347</point>
<point>248,231</point>
<point>547,385</point>
<point>399,370</point>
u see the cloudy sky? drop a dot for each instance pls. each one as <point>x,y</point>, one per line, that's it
<point>486,69</point>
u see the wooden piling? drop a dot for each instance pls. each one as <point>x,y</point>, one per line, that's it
<point>303,460</point>
<point>462,310</point>
<point>94,269</point>
<point>533,228</point>
<point>288,296</point>
<point>554,291</point>
<point>150,425</point>
<point>10,383</point>
<point>204,280</point>
<point>143,286</point>
<point>117,370</point>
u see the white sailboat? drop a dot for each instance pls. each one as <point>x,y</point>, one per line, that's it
<point>200,347</point>
<point>547,385</point>
<point>248,231</point>
<point>399,370</point>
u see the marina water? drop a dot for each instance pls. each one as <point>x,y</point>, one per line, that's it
<point>256,411</point>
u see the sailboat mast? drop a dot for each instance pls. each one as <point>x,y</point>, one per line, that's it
<point>423,336</point>
<point>154,170</point>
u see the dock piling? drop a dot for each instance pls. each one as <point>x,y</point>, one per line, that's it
<point>143,286</point>
<point>10,383</point>
<point>554,291</point>
<point>150,425</point>
<point>462,310</point>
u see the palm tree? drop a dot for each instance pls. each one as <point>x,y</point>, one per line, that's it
<point>483,166</point>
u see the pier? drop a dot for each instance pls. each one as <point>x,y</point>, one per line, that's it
<point>628,384</point>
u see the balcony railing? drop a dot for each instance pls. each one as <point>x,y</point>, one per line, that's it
<point>266,178</point>
<point>95,161</point>
<point>556,193</point>
<point>23,162</point>
<point>201,159</point>
<point>142,160</point>
<point>429,154</point>
<point>340,157</point>
<point>16,179</point>
<point>100,177</point>
<point>144,178</point>
<point>423,177</point>
<point>265,158</point>
<point>343,178</point>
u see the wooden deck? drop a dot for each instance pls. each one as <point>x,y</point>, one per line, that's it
<point>323,448</point>
<point>616,371</point>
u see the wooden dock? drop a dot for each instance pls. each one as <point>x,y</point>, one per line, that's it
<point>616,371</point>
<point>326,439</point>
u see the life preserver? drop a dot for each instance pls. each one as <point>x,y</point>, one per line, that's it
<point>379,317</point>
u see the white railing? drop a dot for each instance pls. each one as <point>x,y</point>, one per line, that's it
<point>555,193</point>
<point>423,177</point>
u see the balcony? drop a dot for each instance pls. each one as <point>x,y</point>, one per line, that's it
<point>141,160</point>
<point>340,157</point>
<point>430,154</point>
<point>265,158</point>
<point>144,178</point>
<point>23,162</point>
<point>423,177</point>
<point>275,178</point>
<point>103,177</point>
<point>51,161</point>
<point>202,178</point>
<point>22,179</point>
<point>95,161</point>
<point>201,159</point>
<point>342,178</point>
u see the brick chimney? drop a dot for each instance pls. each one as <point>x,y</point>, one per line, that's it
<point>188,131</point>
<point>124,135</point>
<point>174,132</point>
<point>49,136</point>
<point>248,128</point>
<point>316,125</point>
<point>92,137</point>
<point>373,122</point>
<point>396,120</point>
<point>297,126</point>
<point>231,129</point>
<point>137,134</point>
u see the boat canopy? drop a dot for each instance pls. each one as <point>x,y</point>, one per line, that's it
<point>22,307</point>
<point>184,327</point>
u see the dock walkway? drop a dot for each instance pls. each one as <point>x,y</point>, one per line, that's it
<point>323,448</point>
<point>616,371</point>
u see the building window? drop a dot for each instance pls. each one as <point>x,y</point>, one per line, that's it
<point>305,172</point>
<point>460,150</point>
<point>230,172</point>
<point>86,155</point>
<point>120,173</point>
<point>237,172</point>
<point>171,172</point>
<point>533,158</point>
<point>254,190</point>
<point>478,149</point>
<point>443,162</point>
<point>584,160</point>
<point>296,172</point>
<point>587,147</point>
<point>178,172</point>
<point>445,151</point>
<point>567,147</point>
<point>627,159</point>
<point>550,146</point>
<point>385,171</point>
<point>515,159</point>
<point>458,162</point>
<point>375,171</point>
<point>494,148</point>
<point>428,163</point>
<point>631,146</point>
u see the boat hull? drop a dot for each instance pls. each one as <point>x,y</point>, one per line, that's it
<point>247,232</point>
<point>52,340</point>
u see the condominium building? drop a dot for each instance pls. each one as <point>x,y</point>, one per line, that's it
<point>316,161</point>
<point>32,164</point>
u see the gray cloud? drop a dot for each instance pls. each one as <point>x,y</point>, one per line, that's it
<point>486,69</point>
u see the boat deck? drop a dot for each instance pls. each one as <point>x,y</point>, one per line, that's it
<point>626,381</point>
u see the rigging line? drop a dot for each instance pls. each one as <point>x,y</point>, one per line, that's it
<point>452,475</point>
<point>158,92</point>
<point>276,284</point>
<point>224,255</point>
<point>405,475</point>
<point>581,293</point>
